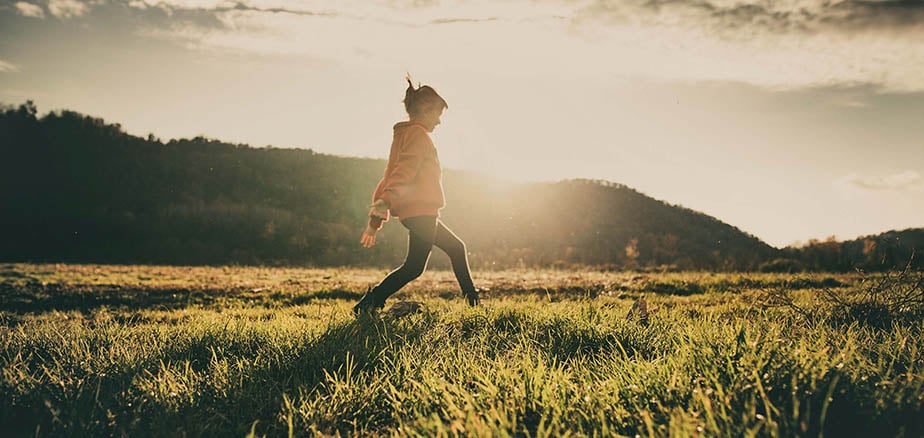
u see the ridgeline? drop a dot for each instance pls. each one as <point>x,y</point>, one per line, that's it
<point>74,188</point>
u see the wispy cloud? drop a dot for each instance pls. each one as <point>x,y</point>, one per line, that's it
<point>220,6</point>
<point>778,44</point>
<point>356,30</point>
<point>406,12</point>
<point>7,67</point>
<point>30,10</point>
<point>902,181</point>
<point>68,8</point>
<point>781,44</point>
<point>746,18</point>
<point>462,20</point>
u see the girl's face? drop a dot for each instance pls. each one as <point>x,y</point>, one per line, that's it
<point>430,118</point>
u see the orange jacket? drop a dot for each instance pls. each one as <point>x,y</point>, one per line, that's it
<point>412,184</point>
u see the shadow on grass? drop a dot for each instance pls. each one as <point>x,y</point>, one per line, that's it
<point>230,379</point>
<point>37,297</point>
<point>670,287</point>
<point>331,294</point>
<point>553,294</point>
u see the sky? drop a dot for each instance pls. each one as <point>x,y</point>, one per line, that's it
<point>789,119</point>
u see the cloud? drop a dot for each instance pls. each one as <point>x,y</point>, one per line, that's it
<point>462,20</point>
<point>871,14</point>
<point>220,6</point>
<point>67,8</point>
<point>411,13</point>
<point>276,10</point>
<point>783,44</point>
<point>6,67</point>
<point>779,44</point>
<point>902,181</point>
<point>30,10</point>
<point>745,18</point>
<point>385,30</point>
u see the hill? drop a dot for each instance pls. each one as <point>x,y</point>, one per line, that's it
<point>77,189</point>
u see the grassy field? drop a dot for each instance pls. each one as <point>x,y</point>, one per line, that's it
<point>236,351</point>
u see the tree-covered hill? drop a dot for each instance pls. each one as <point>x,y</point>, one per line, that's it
<point>894,249</point>
<point>75,188</point>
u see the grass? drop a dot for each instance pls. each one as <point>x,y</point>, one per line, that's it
<point>146,350</point>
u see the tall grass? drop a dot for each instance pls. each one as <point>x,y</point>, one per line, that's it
<point>711,363</point>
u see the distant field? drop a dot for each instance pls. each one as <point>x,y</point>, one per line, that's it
<point>233,351</point>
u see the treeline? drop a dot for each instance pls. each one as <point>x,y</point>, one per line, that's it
<point>74,188</point>
<point>889,250</point>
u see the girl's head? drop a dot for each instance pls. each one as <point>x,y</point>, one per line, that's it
<point>424,104</point>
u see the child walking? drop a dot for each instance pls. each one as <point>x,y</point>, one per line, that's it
<point>412,190</point>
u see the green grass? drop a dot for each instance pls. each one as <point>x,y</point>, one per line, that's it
<point>135,350</point>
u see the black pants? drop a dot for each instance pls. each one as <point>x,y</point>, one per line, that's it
<point>425,232</point>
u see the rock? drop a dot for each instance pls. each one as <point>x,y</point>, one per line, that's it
<point>640,312</point>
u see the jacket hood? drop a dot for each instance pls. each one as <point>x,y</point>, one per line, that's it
<point>408,123</point>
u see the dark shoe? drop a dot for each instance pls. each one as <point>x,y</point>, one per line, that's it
<point>367,304</point>
<point>474,299</point>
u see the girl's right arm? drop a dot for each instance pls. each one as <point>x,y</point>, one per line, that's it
<point>368,237</point>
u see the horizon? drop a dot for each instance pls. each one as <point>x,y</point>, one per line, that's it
<point>792,121</point>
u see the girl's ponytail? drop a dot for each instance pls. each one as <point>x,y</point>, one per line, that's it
<point>410,93</point>
<point>420,98</point>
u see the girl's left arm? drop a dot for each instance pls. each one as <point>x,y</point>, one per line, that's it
<point>408,161</point>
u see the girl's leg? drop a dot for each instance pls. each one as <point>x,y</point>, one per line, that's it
<point>454,247</point>
<point>422,231</point>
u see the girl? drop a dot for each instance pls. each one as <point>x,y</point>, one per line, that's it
<point>411,189</point>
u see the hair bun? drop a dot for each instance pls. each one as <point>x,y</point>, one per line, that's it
<point>415,98</point>
<point>411,91</point>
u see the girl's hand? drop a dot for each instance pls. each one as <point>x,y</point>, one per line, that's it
<point>368,238</point>
<point>379,208</point>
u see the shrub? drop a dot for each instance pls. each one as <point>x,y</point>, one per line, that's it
<point>877,300</point>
